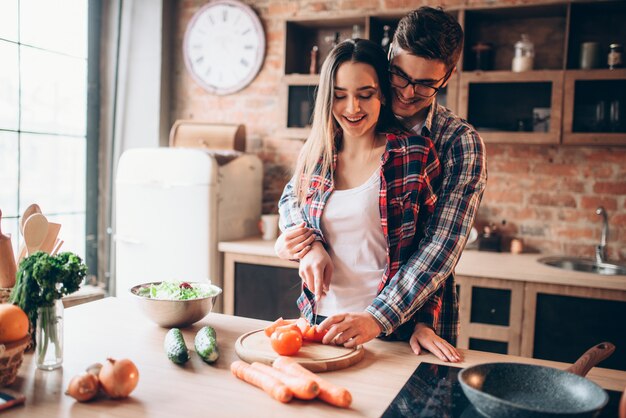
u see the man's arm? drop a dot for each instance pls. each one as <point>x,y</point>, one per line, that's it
<point>289,209</point>
<point>465,177</point>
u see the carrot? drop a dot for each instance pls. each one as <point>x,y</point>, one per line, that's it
<point>329,392</point>
<point>274,387</point>
<point>269,330</point>
<point>301,386</point>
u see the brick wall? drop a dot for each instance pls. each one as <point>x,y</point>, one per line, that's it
<point>546,194</point>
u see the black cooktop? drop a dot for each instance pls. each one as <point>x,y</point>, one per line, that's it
<point>434,391</point>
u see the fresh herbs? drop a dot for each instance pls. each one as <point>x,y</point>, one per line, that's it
<point>43,278</point>
<point>177,291</point>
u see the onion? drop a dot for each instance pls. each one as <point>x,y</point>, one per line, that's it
<point>83,387</point>
<point>94,369</point>
<point>118,377</point>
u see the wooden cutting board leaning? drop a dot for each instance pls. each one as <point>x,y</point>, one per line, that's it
<point>7,260</point>
<point>256,346</point>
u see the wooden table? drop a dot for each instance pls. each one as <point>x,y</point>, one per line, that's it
<point>116,328</point>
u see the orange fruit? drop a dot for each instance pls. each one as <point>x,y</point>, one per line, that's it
<point>13,323</point>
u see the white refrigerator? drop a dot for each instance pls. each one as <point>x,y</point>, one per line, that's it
<point>173,206</point>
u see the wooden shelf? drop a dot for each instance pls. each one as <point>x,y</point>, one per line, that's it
<point>503,105</point>
<point>502,28</point>
<point>509,76</point>
<point>584,91</point>
<point>482,93</point>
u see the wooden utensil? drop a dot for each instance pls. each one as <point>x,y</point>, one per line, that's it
<point>57,246</point>
<point>49,243</point>
<point>8,268</point>
<point>35,231</point>
<point>30,210</point>
<point>256,346</point>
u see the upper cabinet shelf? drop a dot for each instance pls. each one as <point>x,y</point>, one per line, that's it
<point>490,36</point>
<point>556,102</point>
<point>304,34</point>
<point>514,108</point>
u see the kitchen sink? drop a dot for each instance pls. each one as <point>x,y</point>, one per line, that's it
<point>584,264</point>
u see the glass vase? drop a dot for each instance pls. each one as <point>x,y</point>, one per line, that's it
<point>49,336</point>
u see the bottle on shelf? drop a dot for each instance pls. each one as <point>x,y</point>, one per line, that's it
<point>315,54</point>
<point>333,39</point>
<point>524,55</point>
<point>356,31</point>
<point>386,40</point>
<point>615,58</point>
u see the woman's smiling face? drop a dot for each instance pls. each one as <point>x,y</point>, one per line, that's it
<point>356,99</point>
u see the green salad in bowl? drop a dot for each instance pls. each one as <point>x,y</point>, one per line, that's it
<point>178,290</point>
<point>175,303</point>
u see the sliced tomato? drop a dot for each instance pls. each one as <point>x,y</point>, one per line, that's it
<point>289,327</point>
<point>303,324</point>
<point>313,334</point>
<point>278,323</point>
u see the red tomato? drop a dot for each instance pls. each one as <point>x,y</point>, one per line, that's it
<point>313,334</point>
<point>286,342</point>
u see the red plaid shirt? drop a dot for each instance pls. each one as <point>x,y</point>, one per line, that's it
<point>410,176</point>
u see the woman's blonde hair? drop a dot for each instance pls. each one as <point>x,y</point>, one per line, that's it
<point>325,131</point>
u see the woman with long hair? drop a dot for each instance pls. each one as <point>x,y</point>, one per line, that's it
<point>364,188</point>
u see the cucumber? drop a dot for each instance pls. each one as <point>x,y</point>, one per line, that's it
<point>175,347</point>
<point>206,344</point>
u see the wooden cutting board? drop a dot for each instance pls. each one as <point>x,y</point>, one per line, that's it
<point>256,346</point>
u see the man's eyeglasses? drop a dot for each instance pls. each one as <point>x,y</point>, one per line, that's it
<point>423,90</point>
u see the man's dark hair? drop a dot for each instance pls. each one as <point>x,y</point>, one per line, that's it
<point>430,33</point>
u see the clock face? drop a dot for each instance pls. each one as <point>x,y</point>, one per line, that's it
<point>224,46</point>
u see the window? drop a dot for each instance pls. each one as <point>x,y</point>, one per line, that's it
<point>43,115</point>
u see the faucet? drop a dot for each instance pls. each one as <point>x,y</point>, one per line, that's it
<point>601,248</point>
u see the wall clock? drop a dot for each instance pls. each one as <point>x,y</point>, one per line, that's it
<point>224,46</point>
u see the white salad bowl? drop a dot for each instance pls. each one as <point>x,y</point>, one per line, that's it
<point>170,313</point>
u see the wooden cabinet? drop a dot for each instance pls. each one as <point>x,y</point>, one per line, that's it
<point>490,314</point>
<point>540,320</point>
<point>527,94</point>
<point>585,106</point>
<point>259,286</point>
<point>555,103</point>
<point>594,107</point>
<point>562,322</point>
<point>299,84</point>
<point>266,292</point>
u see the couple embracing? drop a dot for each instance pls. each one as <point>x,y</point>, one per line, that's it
<point>385,191</point>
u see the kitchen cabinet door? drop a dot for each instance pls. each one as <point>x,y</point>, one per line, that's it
<point>562,322</point>
<point>266,292</point>
<point>490,314</point>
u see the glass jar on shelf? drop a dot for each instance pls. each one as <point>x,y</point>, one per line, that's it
<point>615,58</point>
<point>524,56</point>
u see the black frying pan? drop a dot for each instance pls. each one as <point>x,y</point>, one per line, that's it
<point>522,390</point>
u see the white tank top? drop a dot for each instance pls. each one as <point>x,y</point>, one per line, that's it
<point>357,247</point>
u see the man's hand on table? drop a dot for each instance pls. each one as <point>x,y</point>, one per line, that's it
<point>350,329</point>
<point>424,337</point>
<point>294,243</point>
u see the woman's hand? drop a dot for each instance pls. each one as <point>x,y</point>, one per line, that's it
<point>316,269</point>
<point>294,243</point>
<point>350,329</point>
<point>425,337</point>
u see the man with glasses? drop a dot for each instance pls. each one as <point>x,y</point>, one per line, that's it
<point>422,296</point>
<point>426,47</point>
